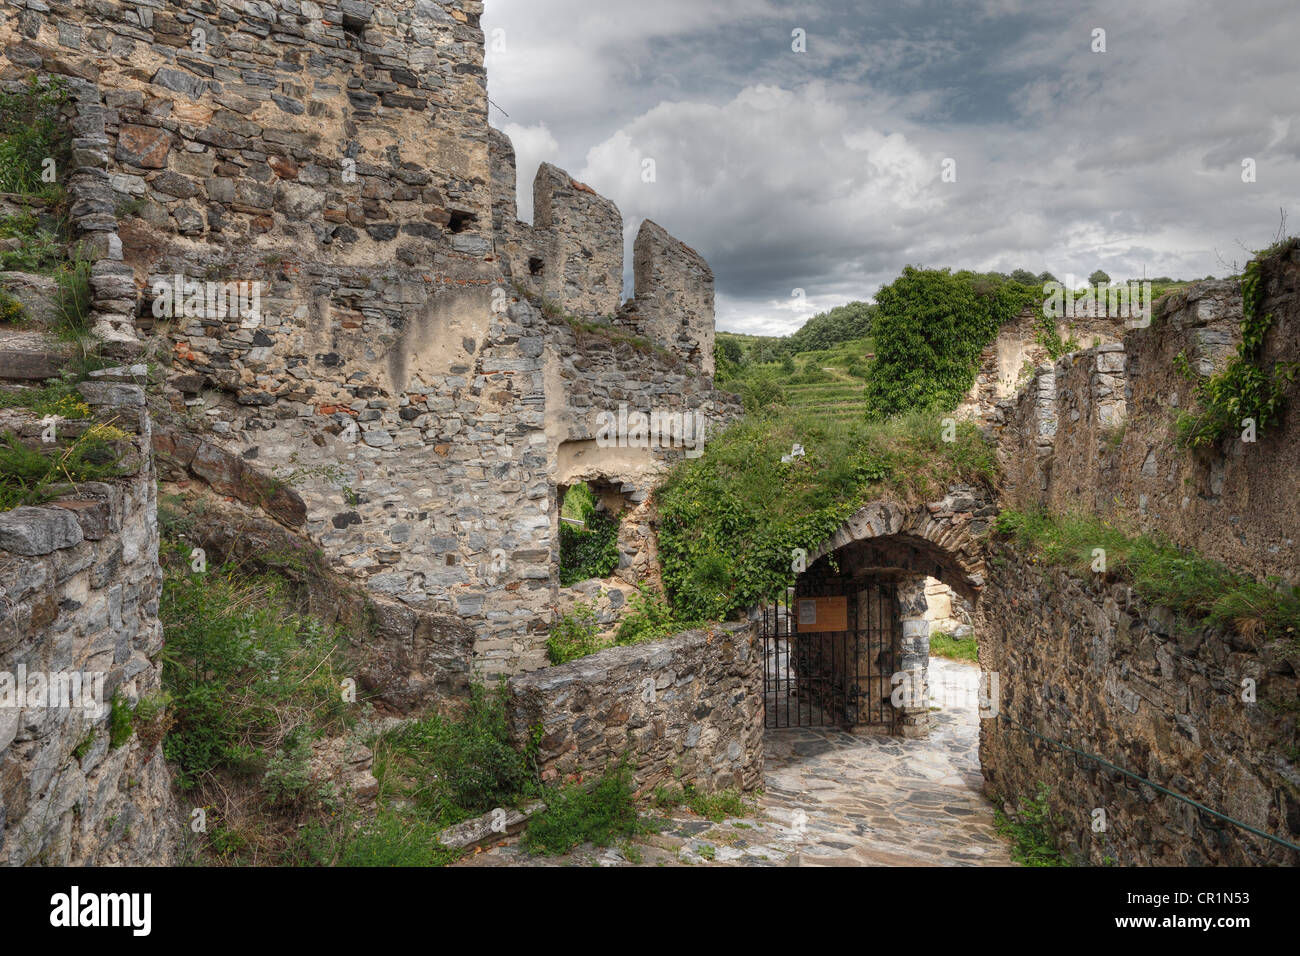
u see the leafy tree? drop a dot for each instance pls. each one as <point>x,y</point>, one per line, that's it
<point>1099,278</point>
<point>828,329</point>
<point>930,328</point>
<point>729,350</point>
<point>1024,277</point>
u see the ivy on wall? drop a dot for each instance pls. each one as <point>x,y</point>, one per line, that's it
<point>1244,389</point>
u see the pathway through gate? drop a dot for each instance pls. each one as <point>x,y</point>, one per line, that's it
<point>833,798</point>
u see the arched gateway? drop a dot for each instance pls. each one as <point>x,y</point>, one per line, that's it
<point>853,629</point>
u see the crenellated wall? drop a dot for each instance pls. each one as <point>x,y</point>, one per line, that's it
<point>572,255</point>
<point>392,370</point>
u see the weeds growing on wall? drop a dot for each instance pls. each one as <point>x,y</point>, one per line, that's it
<point>1160,572</point>
<point>731,519</point>
<point>29,474</point>
<point>31,134</point>
<point>1244,389</point>
<point>575,634</point>
<point>1032,830</point>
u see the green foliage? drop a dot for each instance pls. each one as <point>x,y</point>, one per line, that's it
<point>287,779</point>
<point>30,133</point>
<point>120,725</point>
<point>575,814</point>
<point>27,475</point>
<point>43,249</point>
<point>75,298</point>
<point>761,393</point>
<point>1033,830</point>
<point>579,502</point>
<point>1099,278</point>
<point>715,807</point>
<point>455,769</point>
<point>249,678</point>
<point>390,839</point>
<point>648,618</point>
<point>1196,587</point>
<point>828,329</point>
<point>11,310</point>
<point>590,552</point>
<point>1244,388</point>
<point>930,328</point>
<point>574,635</point>
<point>730,520</point>
<point>954,648</point>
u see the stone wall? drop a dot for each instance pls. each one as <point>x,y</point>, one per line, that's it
<point>1090,664</point>
<point>1012,358</point>
<point>688,709</point>
<point>1096,432</point>
<point>80,583</point>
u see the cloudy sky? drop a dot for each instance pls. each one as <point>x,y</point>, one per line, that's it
<point>822,170</point>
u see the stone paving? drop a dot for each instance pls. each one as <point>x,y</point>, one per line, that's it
<point>836,799</point>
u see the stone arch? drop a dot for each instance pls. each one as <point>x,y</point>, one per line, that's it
<point>888,546</point>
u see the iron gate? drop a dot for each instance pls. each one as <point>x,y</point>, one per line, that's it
<point>830,678</point>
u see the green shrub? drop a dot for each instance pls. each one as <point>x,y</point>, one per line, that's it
<point>1032,831</point>
<point>30,133</point>
<point>929,328</point>
<point>574,635</point>
<point>455,769</point>
<point>648,618</point>
<point>246,674</point>
<point>575,814</point>
<point>591,552</point>
<point>761,393</point>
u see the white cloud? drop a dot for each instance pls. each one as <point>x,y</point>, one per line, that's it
<point>534,145</point>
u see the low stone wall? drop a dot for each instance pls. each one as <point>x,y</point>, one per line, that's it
<point>1093,666</point>
<point>79,585</point>
<point>688,709</point>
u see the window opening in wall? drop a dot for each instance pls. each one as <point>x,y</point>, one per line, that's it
<point>461,220</point>
<point>588,533</point>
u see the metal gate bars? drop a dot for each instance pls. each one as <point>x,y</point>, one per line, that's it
<point>828,655</point>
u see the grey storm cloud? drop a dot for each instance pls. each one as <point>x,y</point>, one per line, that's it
<point>809,179</point>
